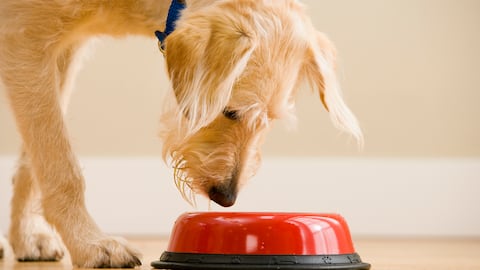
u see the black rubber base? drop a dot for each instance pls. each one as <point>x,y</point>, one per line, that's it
<point>194,261</point>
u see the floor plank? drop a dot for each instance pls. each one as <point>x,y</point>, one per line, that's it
<point>382,253</point>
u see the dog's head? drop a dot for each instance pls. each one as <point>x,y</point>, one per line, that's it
<point>235,66</point>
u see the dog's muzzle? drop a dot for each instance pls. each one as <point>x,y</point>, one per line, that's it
<point>223,195</point>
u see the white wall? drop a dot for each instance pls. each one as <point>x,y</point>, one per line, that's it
<point>397,197</point>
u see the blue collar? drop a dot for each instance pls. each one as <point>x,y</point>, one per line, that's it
<point>173,14</point>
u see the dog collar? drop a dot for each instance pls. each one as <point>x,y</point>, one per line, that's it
<point>173,14</point>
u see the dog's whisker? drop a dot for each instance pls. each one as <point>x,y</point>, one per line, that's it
<point>183,183</point>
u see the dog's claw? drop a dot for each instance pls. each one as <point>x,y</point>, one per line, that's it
<point>136,262</point>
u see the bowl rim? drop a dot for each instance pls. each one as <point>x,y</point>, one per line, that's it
<point>175,260</point>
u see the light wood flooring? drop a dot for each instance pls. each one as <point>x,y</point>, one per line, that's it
<point>382,253</point>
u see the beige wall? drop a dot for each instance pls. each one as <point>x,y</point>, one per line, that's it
<point>410,71</point>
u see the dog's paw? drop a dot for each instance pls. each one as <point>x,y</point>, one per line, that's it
<point>109,252</point>
<point>33,239</point>
<point>38,247</point>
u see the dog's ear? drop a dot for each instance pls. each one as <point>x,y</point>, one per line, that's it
<point>319,71</point>
<point>205,56</point>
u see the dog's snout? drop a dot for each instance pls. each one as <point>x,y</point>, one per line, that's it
<point>225,197</point>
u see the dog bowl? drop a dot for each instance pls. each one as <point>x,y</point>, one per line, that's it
<point>289,241</point>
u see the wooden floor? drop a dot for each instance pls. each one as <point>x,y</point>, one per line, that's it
<point>383,254</point>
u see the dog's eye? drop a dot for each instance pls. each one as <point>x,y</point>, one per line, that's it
<point>232,115</point>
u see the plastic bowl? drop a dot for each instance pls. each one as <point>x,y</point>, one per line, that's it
<point>219,240</point>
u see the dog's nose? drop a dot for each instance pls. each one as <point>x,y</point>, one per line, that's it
<point>223,196</point>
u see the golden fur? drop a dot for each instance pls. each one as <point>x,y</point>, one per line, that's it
<point>234,67</point>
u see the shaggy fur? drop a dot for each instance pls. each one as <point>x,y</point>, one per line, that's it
<point>234,67</point>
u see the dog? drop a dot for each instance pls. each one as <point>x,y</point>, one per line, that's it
<point>2,241</point>
<point>234,66</point>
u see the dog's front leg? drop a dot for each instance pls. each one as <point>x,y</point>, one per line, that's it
<point>32,238</point>
<point>33,81</point>
<point>1,246</point>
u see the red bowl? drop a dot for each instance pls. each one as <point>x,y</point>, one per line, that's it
<point>219,240</point>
